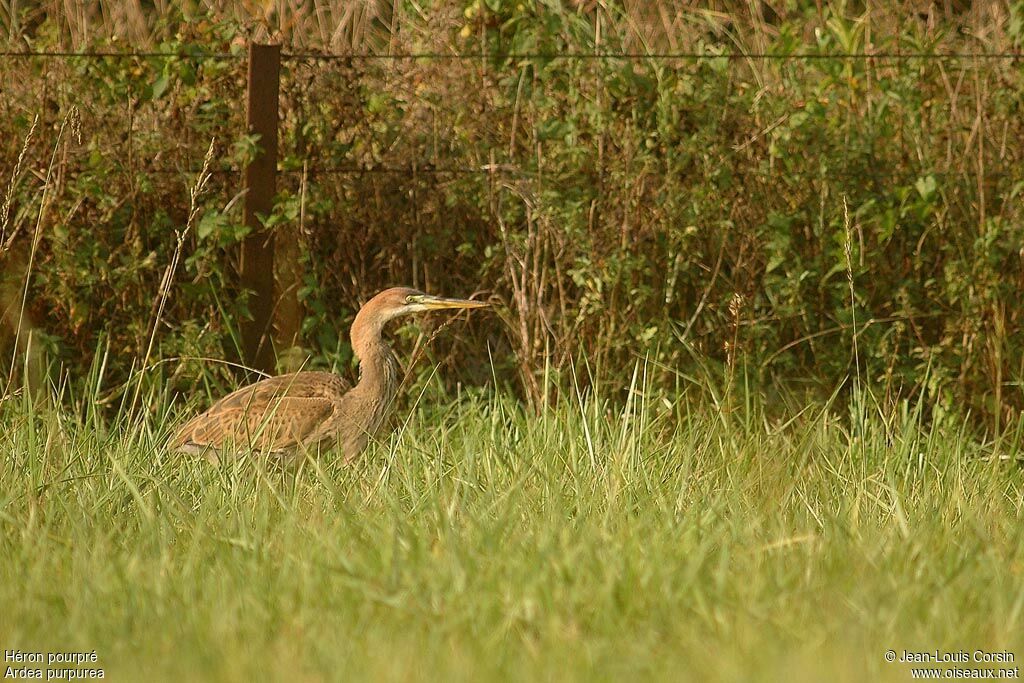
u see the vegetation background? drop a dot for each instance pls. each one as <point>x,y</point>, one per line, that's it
<point>750,409</point>
<point>652,206</point>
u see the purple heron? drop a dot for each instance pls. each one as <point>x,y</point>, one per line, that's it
<point>304,411</point>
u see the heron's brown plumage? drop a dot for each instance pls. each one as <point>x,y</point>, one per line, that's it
<point>276,414</point>
<point>308,410</point>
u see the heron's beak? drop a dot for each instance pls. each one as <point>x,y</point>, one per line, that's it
<point>434,303</point>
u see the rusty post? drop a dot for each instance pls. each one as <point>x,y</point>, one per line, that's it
<point>257,262</point>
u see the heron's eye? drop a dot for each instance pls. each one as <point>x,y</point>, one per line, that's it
<point>410,299</point>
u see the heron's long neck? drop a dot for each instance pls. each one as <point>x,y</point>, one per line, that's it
<point>378,369</point>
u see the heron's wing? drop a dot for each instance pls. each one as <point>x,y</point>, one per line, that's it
<point>294,385</point>
<point>275,414</point>
<point>282,426</point>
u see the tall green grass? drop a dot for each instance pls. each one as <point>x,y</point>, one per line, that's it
<point>598,541</point>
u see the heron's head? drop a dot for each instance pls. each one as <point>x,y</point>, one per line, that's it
<point>399,301</point>
<point>393,303</point>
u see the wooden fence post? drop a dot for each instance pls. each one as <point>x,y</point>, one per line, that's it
<point>257,262</point>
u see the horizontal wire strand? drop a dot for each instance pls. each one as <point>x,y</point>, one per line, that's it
<point>370,56</point>
<point>507,170</point>
<point>798,56</point>
<point>29,54</point>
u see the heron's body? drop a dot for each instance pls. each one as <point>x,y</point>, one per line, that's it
<point>307,411</point>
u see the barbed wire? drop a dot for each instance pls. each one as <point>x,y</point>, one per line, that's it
<point>691,56</point>
<point>507,169</point>
<point>518,56</point>
<point>65,54</point>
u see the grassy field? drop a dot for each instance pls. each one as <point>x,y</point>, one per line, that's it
<point>805,191</point>
<point>658,540</point>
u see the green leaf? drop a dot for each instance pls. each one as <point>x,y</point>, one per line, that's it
<point>926,186</point>
<point>210,223</point>
<point>160,86</point>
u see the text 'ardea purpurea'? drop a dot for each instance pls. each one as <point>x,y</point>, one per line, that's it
<point>307,411</point>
